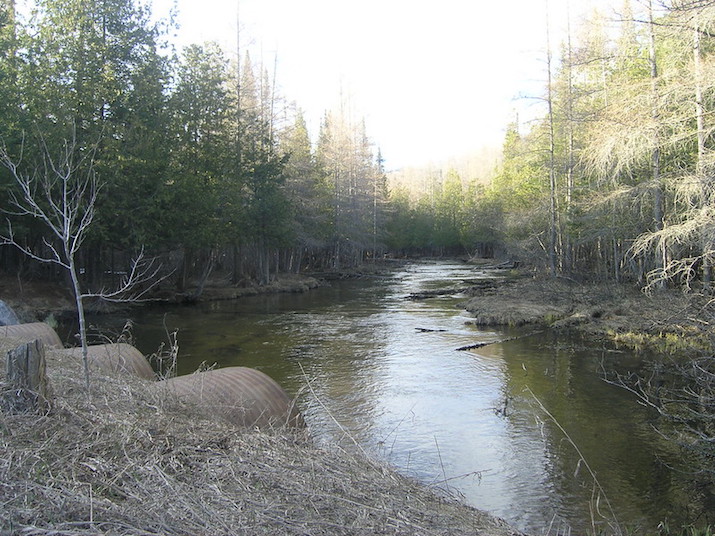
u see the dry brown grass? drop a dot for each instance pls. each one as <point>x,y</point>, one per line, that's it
<point>595,308</point>
<point>123,461</point>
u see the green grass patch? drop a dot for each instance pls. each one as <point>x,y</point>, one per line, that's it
<point>685,341</point>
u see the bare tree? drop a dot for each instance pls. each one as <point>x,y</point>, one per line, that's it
<point>658,197</point>
<point>552,153</point>
<point>61,193</point>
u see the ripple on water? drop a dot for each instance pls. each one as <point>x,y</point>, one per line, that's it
<point>459,420</point>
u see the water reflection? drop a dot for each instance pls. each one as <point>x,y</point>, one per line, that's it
<point>385,368</point>
<point>614,435</point>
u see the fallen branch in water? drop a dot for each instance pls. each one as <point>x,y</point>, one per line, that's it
<point>480,344</point>
<point>499,341</point>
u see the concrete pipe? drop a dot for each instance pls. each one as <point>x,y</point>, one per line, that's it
<point>115,358</point>
<point>242,396</point>
<point>30,332</point>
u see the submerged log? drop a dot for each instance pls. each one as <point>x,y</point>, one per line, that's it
<point>426,294</point>
<point>484,283</point>
<point>26,380</point>
<point>487,343</point>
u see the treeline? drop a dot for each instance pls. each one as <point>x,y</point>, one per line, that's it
<point>199,160</point>
<point>615,178</point>
<point>442,217</point>
<point>203,163</point>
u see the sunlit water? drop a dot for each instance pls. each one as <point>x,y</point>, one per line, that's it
<point>368,363</point>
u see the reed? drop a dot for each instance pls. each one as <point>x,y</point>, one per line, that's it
<point>599,497</point>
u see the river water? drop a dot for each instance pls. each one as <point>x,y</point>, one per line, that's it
<point>498,426</point>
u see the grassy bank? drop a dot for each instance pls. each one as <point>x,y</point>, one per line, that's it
<point>666,322</point>
<point>125,461</point>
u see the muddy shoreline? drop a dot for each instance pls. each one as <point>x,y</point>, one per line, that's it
<point>618,313</point>
<point>34,299</point>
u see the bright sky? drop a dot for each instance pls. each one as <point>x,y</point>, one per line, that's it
<point>432,78</point>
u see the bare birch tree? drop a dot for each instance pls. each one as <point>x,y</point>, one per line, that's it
<point>61,193</point>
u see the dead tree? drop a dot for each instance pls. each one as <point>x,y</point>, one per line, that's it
<point>61,193</point>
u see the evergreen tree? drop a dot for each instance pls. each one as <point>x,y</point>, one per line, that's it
<point>90,72</point>
<point>201,153</point>
<point>307,191</point>
<point>448,208</point>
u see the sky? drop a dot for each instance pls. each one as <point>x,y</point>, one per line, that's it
<point>433,79</point>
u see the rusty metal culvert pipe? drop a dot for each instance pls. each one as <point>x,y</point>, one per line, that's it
<point>115,358</point>
<point>239,395</point>
<point>31,332</point>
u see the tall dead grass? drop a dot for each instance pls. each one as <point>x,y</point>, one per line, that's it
<point>125,461</point>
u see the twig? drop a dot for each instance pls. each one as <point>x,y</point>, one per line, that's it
<point>441,463</point>
<point>582,459</point>
<point>394,429</point>
<point>342,428</point>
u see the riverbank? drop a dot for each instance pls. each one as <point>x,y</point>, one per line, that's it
<point>663,322</point>
<point>35,300</point>
<point>125,460</point>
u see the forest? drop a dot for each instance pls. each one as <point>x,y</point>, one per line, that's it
<point>197,160</point>
<point>614,179</point>
<point>193,157</point>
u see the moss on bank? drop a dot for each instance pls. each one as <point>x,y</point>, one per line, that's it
<point>125,461</point>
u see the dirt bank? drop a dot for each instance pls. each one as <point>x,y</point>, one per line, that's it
<point>127,461</point>
<point>219,288</point>
<point>605,310</point>
<point>35,300</point>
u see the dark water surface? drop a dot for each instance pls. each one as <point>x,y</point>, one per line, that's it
<point>469,422</point>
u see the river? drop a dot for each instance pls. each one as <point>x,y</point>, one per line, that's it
<point>371,366</point>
